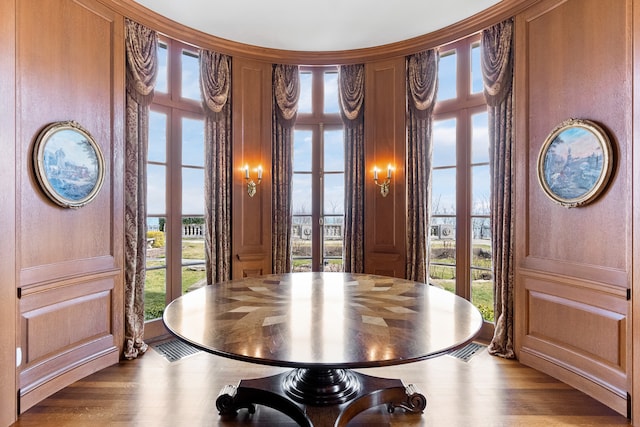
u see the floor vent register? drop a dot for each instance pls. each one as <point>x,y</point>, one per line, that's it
<point>175,350</point>
<point>467,352</point>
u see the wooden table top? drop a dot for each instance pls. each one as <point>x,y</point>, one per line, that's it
<point>334,320</point>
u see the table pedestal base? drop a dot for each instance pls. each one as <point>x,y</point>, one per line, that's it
<point>325,397</point>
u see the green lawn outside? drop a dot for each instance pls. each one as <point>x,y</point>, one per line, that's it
<point>482,289</point>
<point>443,252</point>
<point>154,289</point>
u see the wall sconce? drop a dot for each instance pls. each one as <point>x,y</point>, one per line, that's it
<point>251,185</point>
<point>384,186</point>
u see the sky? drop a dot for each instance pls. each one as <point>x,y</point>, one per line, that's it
<point>444,147</point>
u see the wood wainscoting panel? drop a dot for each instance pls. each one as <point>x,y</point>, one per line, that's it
<point>546,312</point>
<point>578,334</point>
<point>63,327</point>
<point>251,224</point>
<point>385,144</point>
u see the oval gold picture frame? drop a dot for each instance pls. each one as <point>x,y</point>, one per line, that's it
<point>575,163</point>
<point>68,164</point>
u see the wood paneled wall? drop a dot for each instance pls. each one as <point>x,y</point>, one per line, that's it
<point>251,222</point>
<point>574,269</point>
<point>385,143</point>
<point>634,366</point>
<point>68,261</point>
<point>64,60</point>
<point>8,307</point>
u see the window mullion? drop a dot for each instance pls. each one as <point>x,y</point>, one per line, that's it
<point>316,200</point>
<point>174,209</point>
<point>463,202</point>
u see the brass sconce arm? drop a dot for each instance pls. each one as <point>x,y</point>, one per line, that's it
<point>384,185</point>
<point>251,184</point>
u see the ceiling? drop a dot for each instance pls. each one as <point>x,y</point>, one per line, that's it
<point>326,25</point>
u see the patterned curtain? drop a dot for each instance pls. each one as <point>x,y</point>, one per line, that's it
<point>141,44</point>
<point>497,71</point>
<point>351,96</point>
<point>422,87</point>
<point>215,85</point>
<point>286,91</point>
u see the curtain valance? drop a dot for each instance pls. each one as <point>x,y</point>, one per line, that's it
<point>351,92</point>
<point>141,44</point>
<point>497,63</point>
<point>215,80</point>
<point>423,81</point>
<point>286,86</point>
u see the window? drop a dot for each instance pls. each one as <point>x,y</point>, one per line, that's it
<point>318,174</point>
<point>175,180</point>
<point>460,239</point>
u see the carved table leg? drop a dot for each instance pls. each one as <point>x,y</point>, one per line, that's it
<point>275,392</point>
<point>377,391</point>
<point>415,401</point>
<point>227,403</point>
<point>266,391</point>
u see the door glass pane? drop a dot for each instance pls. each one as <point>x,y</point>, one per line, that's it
<point>192,142</point>
<point>443,276</point>
<point>156,189</point>
<point>301,199</point>
<point>157,148</point>
<point>480,138</point>
<point>334,150</point>
<point>333,202</point>
<point>304,102</point>
<point>301,243</point>
<point>480,190</point>
<point>443,191</point>
<point>444,143</point>
<point>156,268</point>
<point>301,232</point>
<point>447,76</point>
<point>162,76</point>
<point>190,76</point>
<point>477,85</point>
<point>332,233</point>
<point>193,258</point>
<point>481,229</point>
<point>442,252</point>
<point>302,140</point>
<point>482,294</point>
<point>331,93</point>
<point>300,265</point>
<point>192,191</point>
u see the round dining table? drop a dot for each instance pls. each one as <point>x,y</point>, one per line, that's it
<point>322,325</point>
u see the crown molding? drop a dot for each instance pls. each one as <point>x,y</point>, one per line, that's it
<point>494,14</point>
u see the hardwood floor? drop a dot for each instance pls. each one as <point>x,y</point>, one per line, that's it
<point>151,391</point>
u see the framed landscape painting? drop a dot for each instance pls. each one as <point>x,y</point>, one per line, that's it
<point>575,162</point>
<point>68,164</point>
